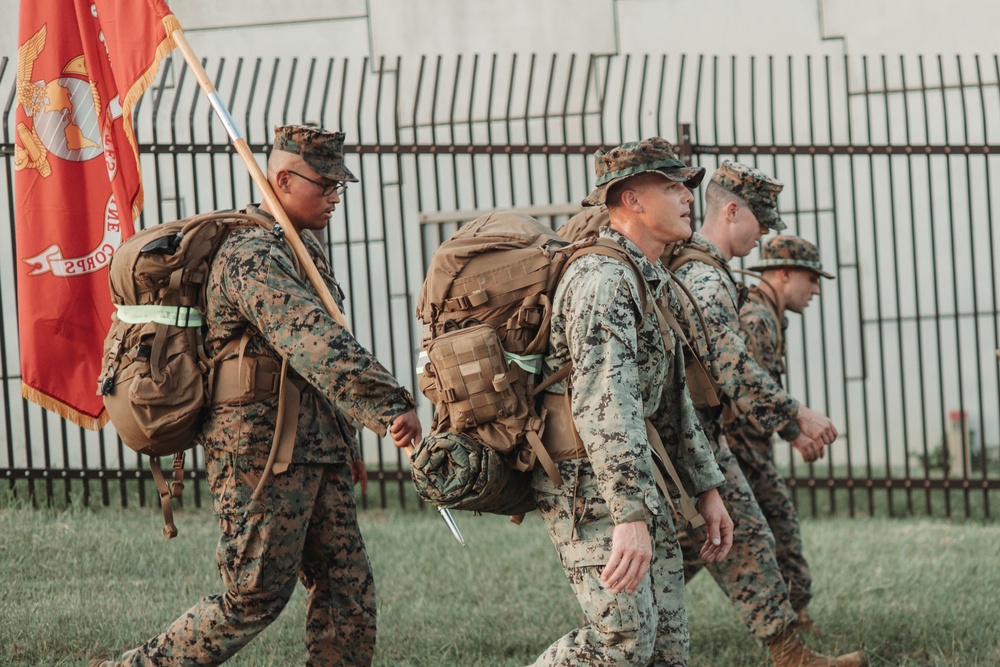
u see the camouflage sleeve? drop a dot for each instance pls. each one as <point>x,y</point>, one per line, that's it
<point>602,309</point>
<point>292,319</point>
<point>750,388</point>
<point>677,422</point>
<point>757,322</point>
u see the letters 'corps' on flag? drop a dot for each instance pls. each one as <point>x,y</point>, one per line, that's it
<point>82,66</point>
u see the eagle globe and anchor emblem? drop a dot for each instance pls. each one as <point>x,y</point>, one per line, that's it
<point>63,121</point>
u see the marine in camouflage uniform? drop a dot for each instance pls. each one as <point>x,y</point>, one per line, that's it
<point>622,375</point>
<point>303,527</point>
<point>763,320</point>
<point>750,575</point>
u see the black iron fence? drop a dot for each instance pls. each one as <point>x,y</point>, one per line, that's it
<point>890,166</point>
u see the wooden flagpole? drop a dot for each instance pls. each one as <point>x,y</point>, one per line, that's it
<point>291,235</point>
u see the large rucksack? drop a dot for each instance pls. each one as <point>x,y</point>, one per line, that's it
<point>157,379</point>
<point>486,306</point>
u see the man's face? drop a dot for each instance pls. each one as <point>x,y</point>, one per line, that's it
<point>667,209</point>
<point>800,287</point>
<point>303,199</point>
<point>746,232</point>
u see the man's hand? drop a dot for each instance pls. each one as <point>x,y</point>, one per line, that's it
<point>808,448</point>
<point>816,426</point>
<point>718,525</point>
<point>631,553</point>
<point>359,474</point>
<point>405,430</point>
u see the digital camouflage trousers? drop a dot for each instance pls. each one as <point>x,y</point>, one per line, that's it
<point>756,459</point>
<point>304,528</point>
<point>645,628</point>
<point>749,575</point>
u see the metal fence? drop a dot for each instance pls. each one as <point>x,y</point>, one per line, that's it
<point>889,163</point>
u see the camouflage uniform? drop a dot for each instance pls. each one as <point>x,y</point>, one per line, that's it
<point>304,525</point>
<point>749,575</point>
<point>622,375</point>
<point>764,328</point>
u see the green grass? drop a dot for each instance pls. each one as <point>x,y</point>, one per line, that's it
<point>81,583</point>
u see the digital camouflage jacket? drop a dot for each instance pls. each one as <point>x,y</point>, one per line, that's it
<point>751,391</point>
<point>253,283</point>
<point>622,375</point>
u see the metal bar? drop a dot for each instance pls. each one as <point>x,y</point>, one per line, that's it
<point>384,241</point>
<point>565,127</point>
<point>489,126</point>
<point>546,139</point>
<point>231,161</point>
<point>659,95</point>
<point>993,260</point>
<point>451,127</point>
<point>934,270</point>
<point>8,407</point>
<point>411,346</point>
<point>878,293</point>
<point>247,124</point>
<point>16,474</point>
<point>470,113</point>
<point>976,345</point>
<point>796,207</point>
<point>954,262</point>
<point>507,120</point>
<point>858,292</point>
<point>697,99</point>
<point>915,280</point>
<point>304,114</point>
<point>621,99</point>
<point>642,98</point>
<point>527,131</point>
<point>463,215</point>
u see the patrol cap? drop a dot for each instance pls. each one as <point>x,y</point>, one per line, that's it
<point>321,150</point>
<point>789,251</point>
<point>756,188</point>
<point>637,157</point>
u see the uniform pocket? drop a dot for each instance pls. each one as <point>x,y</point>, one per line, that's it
<point>583,561</point>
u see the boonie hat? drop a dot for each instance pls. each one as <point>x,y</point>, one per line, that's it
<point>756,188</point>
<point>789,251</point>
<point>321,150</point>
<point>638,157</point>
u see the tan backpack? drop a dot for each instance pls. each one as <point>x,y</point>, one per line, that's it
<point>157,379</point>
<point>486,306</point>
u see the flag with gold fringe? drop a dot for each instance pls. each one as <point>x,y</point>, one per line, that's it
<point>82,66</point>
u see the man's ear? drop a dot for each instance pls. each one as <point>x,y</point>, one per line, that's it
<point>732,210</point>
<point>281,180</point>
<point>630,198</point>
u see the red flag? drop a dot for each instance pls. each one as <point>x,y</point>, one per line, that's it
<point>82,66</point>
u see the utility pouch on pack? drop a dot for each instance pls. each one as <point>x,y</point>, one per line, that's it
<point>472,381</point>
<point>155,402</point>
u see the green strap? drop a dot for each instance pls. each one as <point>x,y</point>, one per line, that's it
<point>178,316</point>
<point>532,363</point>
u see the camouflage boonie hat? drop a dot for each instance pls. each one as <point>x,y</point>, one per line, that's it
<point>637,157</point>
<point>789,251</point>
<point>322,150</point>
<point>756,188</point>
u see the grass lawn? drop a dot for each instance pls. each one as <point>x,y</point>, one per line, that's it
<point>86,583</point>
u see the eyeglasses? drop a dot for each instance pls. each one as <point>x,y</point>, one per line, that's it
<point>327,188</point>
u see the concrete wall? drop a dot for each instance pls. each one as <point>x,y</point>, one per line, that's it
<point>402,27</point>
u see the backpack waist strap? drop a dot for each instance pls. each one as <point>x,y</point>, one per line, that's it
<point>562,442</point>
<point>245,380</point>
